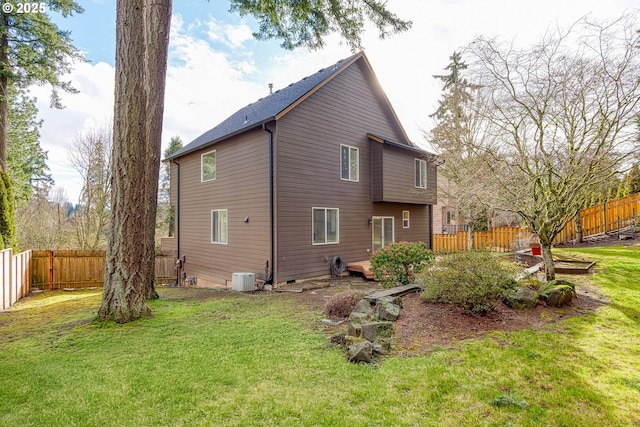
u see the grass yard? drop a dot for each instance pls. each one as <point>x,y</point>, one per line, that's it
<point>211,358</point>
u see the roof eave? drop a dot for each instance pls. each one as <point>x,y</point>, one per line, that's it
<point>222,138</point>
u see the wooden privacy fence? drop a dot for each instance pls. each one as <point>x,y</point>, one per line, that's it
<point>15,272</point>
<point>499,239</point>
<point>83,269</point>
<point>604,218</point>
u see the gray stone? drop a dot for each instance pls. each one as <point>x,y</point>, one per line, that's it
<point>355,330</point>
<point>362,312</point>
<point>394,300</point>
<point>329,322</point>
<point>360,352</point>
<point>363,306</point>
<point>357,318</point>
<point>375,330</point>
<point>381,347</point>
<point>559,296</point>
<point>521,298</point>
<point>387,311</point>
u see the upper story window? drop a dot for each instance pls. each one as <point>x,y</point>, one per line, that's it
<point>325,226</point>
<point>219,226</point>
<point>421,173</point>
<point>208,166</point>
<point>349,163</point>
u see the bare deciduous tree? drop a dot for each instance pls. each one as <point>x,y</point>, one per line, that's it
<point>561,118</point>
<point>90,156</point>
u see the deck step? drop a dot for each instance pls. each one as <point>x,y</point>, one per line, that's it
<point>363,267</point>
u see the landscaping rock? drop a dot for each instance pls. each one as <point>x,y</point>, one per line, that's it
<point>392,299</point>
<point>521,298</point>
<point>386,310</point>
<point>381,347</point>
<point>362,312</point>
<point>355,330</point>
<point>375,330</point>
<point>559,296</point>
<point>360,352</point>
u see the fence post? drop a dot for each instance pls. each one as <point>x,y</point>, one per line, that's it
<point>50,270</point>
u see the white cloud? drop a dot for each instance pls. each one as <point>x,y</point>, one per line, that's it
<point>233,36</point>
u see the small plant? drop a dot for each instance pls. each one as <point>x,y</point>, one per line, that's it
<point>508,400</point>
<point>342,304</point>
<point>473,280</point>
<point>398,263</point>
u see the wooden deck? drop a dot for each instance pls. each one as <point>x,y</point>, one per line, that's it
<point>363,267</point>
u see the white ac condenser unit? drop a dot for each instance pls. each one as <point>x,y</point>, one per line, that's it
<point>243,282</point>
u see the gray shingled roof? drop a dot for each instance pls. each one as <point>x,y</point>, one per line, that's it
<point>263,110</point>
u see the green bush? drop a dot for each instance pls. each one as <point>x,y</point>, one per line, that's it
<point>398,263</point>
<point>473,280</point>
<point>7,213</point>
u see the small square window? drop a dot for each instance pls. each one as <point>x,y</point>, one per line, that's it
<point>208,166</point>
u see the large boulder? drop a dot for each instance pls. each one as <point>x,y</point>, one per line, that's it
<point>559,295</point>
<point>362,312</point>
<point>521,298</point>
<point>386,310</point>
<point>375,330</point>
<point>361,351</point>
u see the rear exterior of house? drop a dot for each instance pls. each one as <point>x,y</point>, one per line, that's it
<point>330,174</point>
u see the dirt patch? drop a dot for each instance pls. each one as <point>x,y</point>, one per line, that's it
<point>422,326</point>
<point>602,240</point>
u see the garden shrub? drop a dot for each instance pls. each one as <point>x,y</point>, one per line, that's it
<point>398,263</point>
<point>342,304</point>
<point>473,280</point>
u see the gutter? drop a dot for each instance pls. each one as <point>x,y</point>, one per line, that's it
<point>269,280</point>
<point>177,225</point>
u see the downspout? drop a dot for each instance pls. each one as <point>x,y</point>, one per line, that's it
<point>177,230</point>
<point>269,280</point>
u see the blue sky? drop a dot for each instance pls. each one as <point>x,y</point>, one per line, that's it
<point>216,67</point>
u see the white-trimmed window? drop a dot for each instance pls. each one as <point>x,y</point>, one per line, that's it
<point>325,226</point>
<point>349,163</point>
<point>208,166</point>
<point>405,219</point>
<point>219,226</point>
<point>421,173</point>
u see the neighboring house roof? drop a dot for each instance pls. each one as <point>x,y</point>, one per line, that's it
<point>274,106</point>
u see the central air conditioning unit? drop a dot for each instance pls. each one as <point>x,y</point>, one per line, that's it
<point>243,282</point>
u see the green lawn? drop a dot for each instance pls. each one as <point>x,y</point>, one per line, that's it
<point>214,358</point>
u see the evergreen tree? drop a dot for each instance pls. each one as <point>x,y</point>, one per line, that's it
<point>33,50</point>
<point>166,212</point>
<point>26,161</point>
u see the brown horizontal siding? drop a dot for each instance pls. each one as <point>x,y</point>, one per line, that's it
<point>242,188</point>
<point>398,169</point>
<point>308,173</point>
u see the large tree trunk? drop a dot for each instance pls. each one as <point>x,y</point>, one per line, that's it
<point>141,29</point>
<point>578,224</point>
<point>158,25</point>
<point>4,89</point>
<point>549,267</point>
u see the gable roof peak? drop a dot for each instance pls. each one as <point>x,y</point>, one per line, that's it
<point>270,107</point>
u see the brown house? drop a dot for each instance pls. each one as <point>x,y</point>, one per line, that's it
<point>319,169</point>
